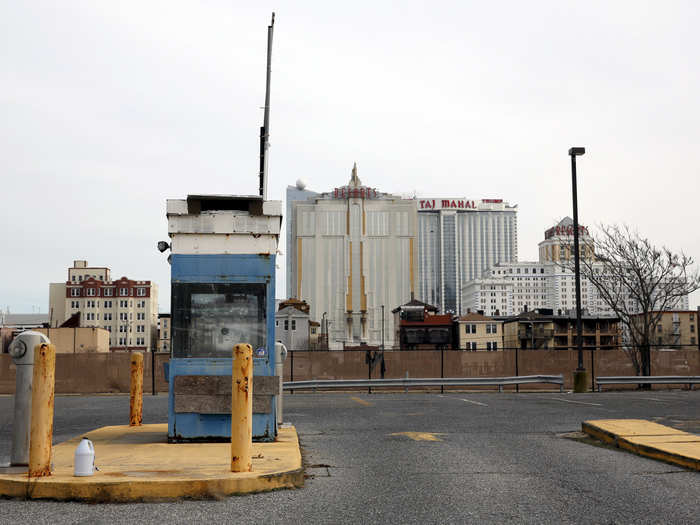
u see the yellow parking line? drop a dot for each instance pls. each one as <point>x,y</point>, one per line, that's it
<point>420,436</point>
<point>361,401</point>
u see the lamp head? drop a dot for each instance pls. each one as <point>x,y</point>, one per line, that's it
<point>575,152</point>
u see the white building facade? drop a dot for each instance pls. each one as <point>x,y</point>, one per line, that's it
<point>127,309</point>
<point>459,239</point>
<point>509,288</point>
<point>353,251</point>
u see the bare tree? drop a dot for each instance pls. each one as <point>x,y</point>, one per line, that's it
<point>638,282</point>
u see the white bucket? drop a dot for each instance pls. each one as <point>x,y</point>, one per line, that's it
<point>84,464</point>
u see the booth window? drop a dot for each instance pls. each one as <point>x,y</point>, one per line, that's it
<point>209,319</point>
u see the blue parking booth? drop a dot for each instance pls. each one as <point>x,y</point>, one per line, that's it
<point>222,293</point>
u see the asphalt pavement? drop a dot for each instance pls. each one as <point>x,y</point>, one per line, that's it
<point>422,458</point>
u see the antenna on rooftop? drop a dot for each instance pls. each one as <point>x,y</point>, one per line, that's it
<point>265,129</point>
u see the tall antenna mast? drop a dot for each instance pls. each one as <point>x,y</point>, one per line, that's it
<point>265,129</point>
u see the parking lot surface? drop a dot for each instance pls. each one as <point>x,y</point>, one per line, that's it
<point>422,458</point>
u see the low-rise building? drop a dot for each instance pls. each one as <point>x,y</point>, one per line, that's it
<point>293,325</point>
<point>531,330</point>
<point>675,329</point>
<point>13,324</point>
<point>476,331</point>
<point>78,340</point>
<point>417,326</point>
<point>542,329</point>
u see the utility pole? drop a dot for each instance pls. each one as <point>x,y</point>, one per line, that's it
<point>265,129</point>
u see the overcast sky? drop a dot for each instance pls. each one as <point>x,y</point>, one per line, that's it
<point>109,108</point>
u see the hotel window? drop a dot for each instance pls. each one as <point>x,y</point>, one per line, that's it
<point>107,292</point>
<point>75,292</point>
<point>473,345</point>
<point>286,324</point>
<point>141,292</point>
<point>294,324</point>
<point>123,292</point>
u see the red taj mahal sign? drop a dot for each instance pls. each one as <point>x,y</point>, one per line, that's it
<point>436,204</point>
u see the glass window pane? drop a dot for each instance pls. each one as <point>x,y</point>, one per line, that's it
<point>209,319</point>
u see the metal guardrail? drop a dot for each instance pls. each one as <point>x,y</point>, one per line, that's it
<point>647,380</point>
<point>413,382</point>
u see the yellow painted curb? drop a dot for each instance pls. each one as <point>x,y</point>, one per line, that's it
<point>649,439</point>
<point>138,464</point>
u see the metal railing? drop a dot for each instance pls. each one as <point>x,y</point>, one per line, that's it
<point>647,380</point>
<point>324,384</point>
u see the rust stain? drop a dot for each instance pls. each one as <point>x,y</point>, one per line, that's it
<point>136,390</point>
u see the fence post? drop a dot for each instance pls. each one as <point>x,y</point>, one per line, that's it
<point>442,369</point>
<point>41,434</point>
<point>153,371</point>
<point>136,390</point>
<point>242,409</point>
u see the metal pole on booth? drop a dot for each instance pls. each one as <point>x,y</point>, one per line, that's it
<point>41,434</point>
<point>242,409</point>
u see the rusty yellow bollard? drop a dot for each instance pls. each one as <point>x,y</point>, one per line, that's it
<point>136,401</point>
<point>41,429</point>
<point>242,409</point>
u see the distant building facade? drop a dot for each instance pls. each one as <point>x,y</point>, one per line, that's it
<point>418,326</point>
<point>78,340</point>
<point>675,329</point>
<point>478,332</point>
<point>293,325</point>
<point>509,288</point>
<point>352,250</point>
<point>544,329</point>
<point>164,333</point>
<point>294,194</point>
<point>127,309</point>
<point>459,239</point>
<point>558,243</point>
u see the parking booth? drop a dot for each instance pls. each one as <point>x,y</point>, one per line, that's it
<point>223,251</point>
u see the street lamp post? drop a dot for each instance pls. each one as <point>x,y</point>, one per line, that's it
<point>324,330</point>
<point>580,380</point>
<point>382,366</point>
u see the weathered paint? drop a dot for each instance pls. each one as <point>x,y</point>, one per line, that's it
<point>204,427</point>
<point>41,433</point>
<point>242,409</point>
<point>136,465</point>
<point>222,268</point>
<point>136,398</point>
<point>649,439</point>
<point>420,436</point>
